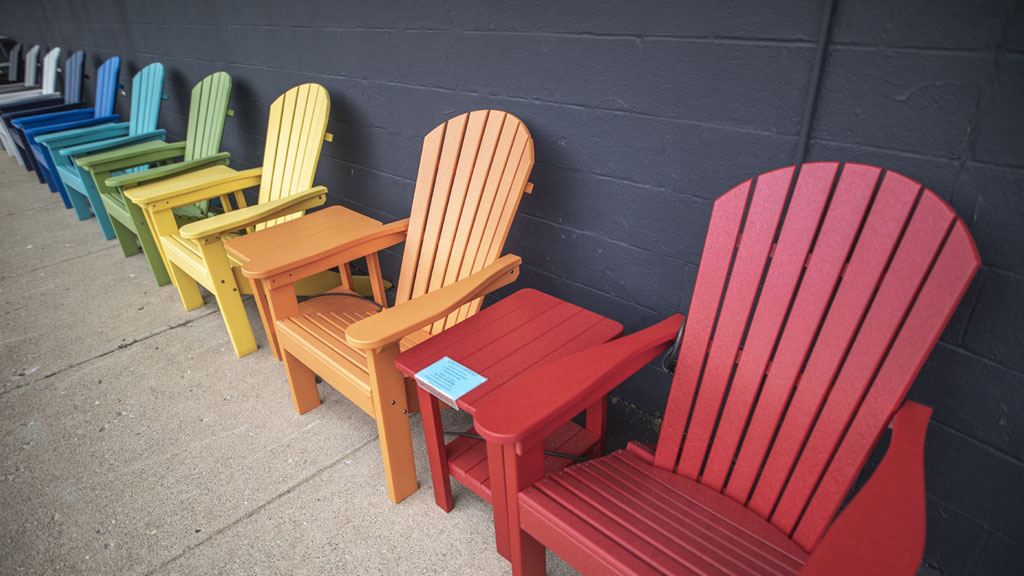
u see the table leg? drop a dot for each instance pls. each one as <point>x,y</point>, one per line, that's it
<point>430,409</point>
<point>499,497</point>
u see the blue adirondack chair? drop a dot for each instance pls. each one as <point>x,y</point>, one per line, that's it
<point>101,113</point>
<point>64,147</point>
<point>69,99</point>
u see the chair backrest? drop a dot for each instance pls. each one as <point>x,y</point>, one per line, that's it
<point>147,92</point>
<point>805,332</point>
<point>106,87</point>
<point>32,66</point>
<point>14,63</point>
<point>295,134</point>
<point>50,64</point>
<point>73,71</point>
<point>473,172</point>
<point>206,114</point>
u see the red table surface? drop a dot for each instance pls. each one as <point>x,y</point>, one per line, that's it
<point>508,338</point>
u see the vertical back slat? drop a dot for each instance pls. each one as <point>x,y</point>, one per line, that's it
<point>147,93</point>
<point>106,87</point>
<point>439,202</point>
<point>430,158</point>
<point>716,259</point>
<point>14,64</point>
<point>756,242</point>
<point>802,218</point>
<point>838,232</point>
<point>919,245</point>
<point>73,77</point>
<point>32,66</point>
<point>50,65</point>
<point>932,309</point>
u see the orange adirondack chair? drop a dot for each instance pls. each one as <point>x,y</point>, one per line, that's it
<point>473,172</point>
<point>799,349</point>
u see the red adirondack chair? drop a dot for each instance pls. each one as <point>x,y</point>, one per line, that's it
<point>804,334</point>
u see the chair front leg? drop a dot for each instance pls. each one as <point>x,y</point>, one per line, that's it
<point>391,409</point>
<point>162,223</point>
<point>229,298</point>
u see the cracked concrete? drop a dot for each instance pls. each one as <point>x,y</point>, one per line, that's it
<point>133,441</point>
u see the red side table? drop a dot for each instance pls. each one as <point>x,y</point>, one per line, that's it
<point>502,341</point>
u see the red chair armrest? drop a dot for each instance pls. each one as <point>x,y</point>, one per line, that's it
<point>527,409</point>
<point>882,531</point>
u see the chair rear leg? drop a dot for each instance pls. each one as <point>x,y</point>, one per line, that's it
<point>302,382</point>
<point>391,409</point>
<point>150,248</point>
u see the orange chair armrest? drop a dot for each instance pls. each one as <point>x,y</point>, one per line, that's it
<point>882,530</point>
<point>393,324</point>
<point>536,403</point>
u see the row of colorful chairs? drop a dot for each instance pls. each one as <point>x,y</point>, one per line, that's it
<point>822,289</point>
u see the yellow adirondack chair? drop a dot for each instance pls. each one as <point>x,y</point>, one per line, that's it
<point>195,254</point>
<point>473,172</point>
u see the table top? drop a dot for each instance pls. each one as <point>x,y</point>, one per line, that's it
<point>299,241</point>
<point>510,337</point>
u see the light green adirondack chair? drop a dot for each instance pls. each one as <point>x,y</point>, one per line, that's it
<point>206,115</point>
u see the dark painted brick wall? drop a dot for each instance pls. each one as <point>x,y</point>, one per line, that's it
<point>643,113</point>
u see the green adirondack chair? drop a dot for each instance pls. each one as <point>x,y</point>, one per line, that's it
<point>150,161</point>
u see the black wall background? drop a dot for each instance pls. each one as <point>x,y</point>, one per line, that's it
<point>642,114</point>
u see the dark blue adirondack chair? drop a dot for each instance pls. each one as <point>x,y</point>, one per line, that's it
<point>64,147</point>
<point>101,113</point>
<point>69,99</point>
<point>13,66</point>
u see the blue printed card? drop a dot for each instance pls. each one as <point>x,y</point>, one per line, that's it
<point>448,380</point>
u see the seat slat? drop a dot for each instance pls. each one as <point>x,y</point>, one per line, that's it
<point>788,258</point>
<point>758,233</point>
<point>717,255</point>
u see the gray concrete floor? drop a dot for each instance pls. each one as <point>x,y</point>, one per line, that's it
<point>133,441</point>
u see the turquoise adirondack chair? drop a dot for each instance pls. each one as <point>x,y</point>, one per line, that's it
<point>102,113</point>
<point>65,147</point>
<point>68,99</point>
<point>207,112</point>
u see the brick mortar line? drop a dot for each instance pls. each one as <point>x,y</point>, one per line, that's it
<point>980,446</point>
<point>119,347</point>
<point>261,507</point>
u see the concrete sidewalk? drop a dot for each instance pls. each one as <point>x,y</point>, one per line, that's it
<point>134,441</point>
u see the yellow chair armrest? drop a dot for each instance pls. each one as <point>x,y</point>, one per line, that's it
<point>252,215</point>
<point>393,324</point>
<point>193,187</point>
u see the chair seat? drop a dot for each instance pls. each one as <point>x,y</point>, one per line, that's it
<point>620,515</point>
<point>316,336</point>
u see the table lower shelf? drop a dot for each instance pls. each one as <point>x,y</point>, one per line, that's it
<point>467,457</point>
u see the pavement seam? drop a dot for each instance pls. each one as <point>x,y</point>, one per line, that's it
<point>121,346</point>
<point>261,507</point>
<point>72,259</point>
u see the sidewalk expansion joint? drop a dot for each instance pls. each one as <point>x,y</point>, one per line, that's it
<point>119,347</point>
<point>372,441</point>
<point>58,263</point>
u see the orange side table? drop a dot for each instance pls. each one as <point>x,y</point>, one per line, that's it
<point>500,342</point>
<point>303,242</point>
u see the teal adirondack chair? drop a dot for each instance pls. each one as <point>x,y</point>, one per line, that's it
<point>207,112</point>
<point>65,147</point>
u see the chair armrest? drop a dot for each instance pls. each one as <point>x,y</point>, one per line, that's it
<point>160,172</point>
<point>132,156</point>
<point>83,135</point>
<point>36,132</point>
<point>530,407</point>
<point>44,101</point>
<point>192,187</point>
<point>252,215</point>
<point>42,119</point>
<point>393,324</point>
<point>29,112</point>
<point>882,530</point>
<point>107,144</point>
